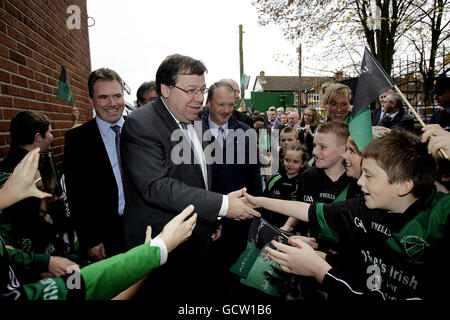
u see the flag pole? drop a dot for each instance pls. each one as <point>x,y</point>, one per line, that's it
<point>443,153</point>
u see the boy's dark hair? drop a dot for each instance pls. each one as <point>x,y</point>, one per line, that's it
<point>25,125</point>
<point>175,65</point>
<point>143,88</point>
<point>403,156</point>
<point>104,74</point>
<point>339,128</point>
<point>288,130</point>
<point>299,147</point>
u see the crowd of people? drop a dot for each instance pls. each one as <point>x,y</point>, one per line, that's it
<point>368,224</point>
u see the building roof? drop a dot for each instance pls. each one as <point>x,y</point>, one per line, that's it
<point>288,83</point>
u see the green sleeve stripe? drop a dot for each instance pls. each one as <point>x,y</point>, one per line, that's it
<point>272,181</point>
<point>325,231</point>
<point>106,278</point>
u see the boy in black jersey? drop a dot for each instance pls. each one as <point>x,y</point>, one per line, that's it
<point>395,236</point>
<point>327,180</point>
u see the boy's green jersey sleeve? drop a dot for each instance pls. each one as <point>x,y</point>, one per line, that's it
<point>102,280</point>
<point>28,260</point>
<point>106,278</point>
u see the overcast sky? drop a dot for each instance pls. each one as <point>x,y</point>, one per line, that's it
<point>134,36</point>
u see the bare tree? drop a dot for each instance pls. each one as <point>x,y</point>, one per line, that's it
<point>427,38</point>
<point>343,27</point>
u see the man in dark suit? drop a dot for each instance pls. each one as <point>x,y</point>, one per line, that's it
<point>378,114</point>
<point>395,116</point>
<point>166,170</point>
<point>235,166</point>
<point>92,169</point>
<point>272,120</point>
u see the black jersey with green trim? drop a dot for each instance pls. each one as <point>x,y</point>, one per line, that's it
<point>397,254</point>
<point>316,186</point>
<point>9,285</point>
<point>280,187</point>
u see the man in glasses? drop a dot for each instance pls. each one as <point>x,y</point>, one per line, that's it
<point>162,178</point>
<point>146,93</point>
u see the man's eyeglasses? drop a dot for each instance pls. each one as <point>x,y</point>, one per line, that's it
<point>193,92</point>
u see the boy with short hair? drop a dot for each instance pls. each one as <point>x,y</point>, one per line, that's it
<point>395,236</point>
<point>288,137</point>
<point>327,179</point>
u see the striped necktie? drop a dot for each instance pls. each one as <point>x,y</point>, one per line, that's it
<point>116,129</point>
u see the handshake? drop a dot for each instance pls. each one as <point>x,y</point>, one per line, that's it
<point>239,207</point>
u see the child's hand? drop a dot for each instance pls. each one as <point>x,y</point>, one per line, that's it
<point>177,230</point>
<point>21,184</point>
<point>298,259</point>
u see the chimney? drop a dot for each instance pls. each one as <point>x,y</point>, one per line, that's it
<point>339,75</point>
<point>262,77</point>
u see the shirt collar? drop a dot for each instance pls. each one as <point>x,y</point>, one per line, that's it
<point>214,126</point>
<point>105,126</point>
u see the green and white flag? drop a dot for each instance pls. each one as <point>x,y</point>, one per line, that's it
<point>63,87</point>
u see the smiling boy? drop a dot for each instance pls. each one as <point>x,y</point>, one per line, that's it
<point>395,236</point>
<point>327,179</point>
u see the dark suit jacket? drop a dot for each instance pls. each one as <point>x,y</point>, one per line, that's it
<point>158,188</point>
<point>401,120</point>
<point>92,190</point>
<point>375,116</point>
<point>228,177</point>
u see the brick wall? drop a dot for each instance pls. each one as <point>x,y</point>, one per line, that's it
<point>34,42</point>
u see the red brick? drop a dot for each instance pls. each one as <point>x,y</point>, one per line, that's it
<point>33,64</point>
<point>10,113</point>
<point>19,81</point>
<point>21,103</point>
<point>16,35</point>
<point>27,93</point>
<point>36,105</point>
<point>5,101</point>
<point>40,77</point>
<point>41,96</point>
<point>5,76</point>
<point>4,126</point>
<point>4,51</point>
<point>46,70</point>
<point>26,72</point>
<point>17,57</point>
<point>6,17</point>
<point>34,85</point>
<point>47,89</point>
<point>31,44</point>
<point>24,50</point>
<point>13,11</point>
<point>2,26</point>
<point>8,65</point>
<point>8,41</point>
<point>10,90</point>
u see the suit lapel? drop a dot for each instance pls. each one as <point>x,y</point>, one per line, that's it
<point>172,125</point>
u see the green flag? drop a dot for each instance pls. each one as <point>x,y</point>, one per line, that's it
<point>63,87</point>
<point>372,82</point>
